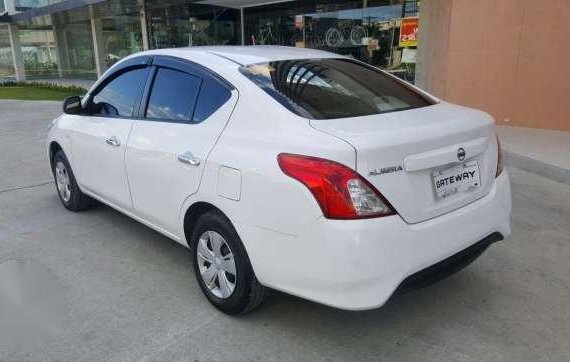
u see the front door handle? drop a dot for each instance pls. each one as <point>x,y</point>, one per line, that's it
<point>188,157</point>
<point>113,141</point>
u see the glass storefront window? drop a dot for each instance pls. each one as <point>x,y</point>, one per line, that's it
<point>6,62</point>
<point>22,5</point>
<point>191,25</point>
<point>62,43</point>
<point>121,29</point>
<point>380,32</point>
<point>79,51</point>
<point>74,43</point>
<point>39,53</point>
<point>368,30</point>
<point>121,40</point>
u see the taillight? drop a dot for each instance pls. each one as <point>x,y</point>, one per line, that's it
<point>340,191</point>
<point>499,158</point>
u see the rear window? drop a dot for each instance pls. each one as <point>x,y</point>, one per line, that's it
<point>333,88</point>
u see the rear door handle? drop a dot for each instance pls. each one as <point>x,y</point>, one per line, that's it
<point>113,141</point>
<point>188,158</point>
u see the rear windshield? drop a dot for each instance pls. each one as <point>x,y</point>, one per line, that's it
<point>333,88</point>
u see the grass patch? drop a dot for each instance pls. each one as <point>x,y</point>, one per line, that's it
<point>38,91</point>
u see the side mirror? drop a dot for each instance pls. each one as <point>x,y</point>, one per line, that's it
<point>72,105</point>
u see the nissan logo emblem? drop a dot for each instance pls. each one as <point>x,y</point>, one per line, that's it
<point>461,154</point>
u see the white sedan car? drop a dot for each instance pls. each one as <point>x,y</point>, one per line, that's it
<point>294,169</point>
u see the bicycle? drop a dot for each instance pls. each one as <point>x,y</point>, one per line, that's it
<point>266,36</point>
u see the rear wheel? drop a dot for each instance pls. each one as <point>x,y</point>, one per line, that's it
<point>222,266</point>
<point>69,193</point>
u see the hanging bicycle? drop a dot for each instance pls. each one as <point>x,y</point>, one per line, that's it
<point>267,36</point>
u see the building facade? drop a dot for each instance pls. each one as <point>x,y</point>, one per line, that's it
<point>505,57</point>
<point>82,38</point>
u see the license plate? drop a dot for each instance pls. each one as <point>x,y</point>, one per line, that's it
<point>455,179</point>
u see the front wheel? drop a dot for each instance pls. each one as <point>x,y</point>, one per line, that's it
<point>222,266</point>
<point>69,193</point>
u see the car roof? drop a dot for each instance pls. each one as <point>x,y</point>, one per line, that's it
<point>245,55</point>
<point>226,59</point>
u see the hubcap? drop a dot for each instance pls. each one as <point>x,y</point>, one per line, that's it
<point>62,181</point>
<point>216,264</point>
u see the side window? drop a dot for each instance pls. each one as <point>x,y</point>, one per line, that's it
<point>118,97</point>
<point>212,96</point>
<point>173,95</point>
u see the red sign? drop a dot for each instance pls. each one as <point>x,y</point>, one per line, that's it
<point>409,32</point>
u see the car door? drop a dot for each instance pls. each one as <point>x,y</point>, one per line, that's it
<point>185,110</point>
<point>100,136</point>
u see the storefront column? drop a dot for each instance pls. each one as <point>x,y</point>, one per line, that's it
<point>434,47</point>
<point>144,28</point>
<point>61,47</point>
<point>98,45</point>
<point>16,48</point>
<point>242,26</point>
<point>62,51</point>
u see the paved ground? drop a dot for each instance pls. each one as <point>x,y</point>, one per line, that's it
<point>132,295</point>
<point>545,145</point>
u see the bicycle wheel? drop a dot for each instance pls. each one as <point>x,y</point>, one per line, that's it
<point>357,33</point>
<point>273,39</point>
<point>333,38</point>
<point>261,37</point>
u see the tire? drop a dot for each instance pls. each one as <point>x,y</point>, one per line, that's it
<point>66,186</point>
<point>334,38</point>
<point>247,293</point>
<point>357,33</point>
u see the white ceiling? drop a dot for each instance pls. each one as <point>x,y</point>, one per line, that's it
<point>240,3</point>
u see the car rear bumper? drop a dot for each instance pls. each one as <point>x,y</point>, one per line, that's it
<point>359,264</point>
<point>447,266</point>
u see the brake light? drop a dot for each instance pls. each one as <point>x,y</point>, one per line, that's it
<point>341,192</point>
<point>499,158</point>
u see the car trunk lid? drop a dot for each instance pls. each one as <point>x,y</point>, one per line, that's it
<point>408,155</point>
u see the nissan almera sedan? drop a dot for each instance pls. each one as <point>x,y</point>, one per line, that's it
<point>293,169</point>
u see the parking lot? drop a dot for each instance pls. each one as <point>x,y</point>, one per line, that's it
<point>131,293</point>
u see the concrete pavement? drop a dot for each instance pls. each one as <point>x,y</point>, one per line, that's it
<point>132,295</point>
<point>544,145</point>
<point>541,151</point>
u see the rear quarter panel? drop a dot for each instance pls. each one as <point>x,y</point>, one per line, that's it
<point>258,131</point>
